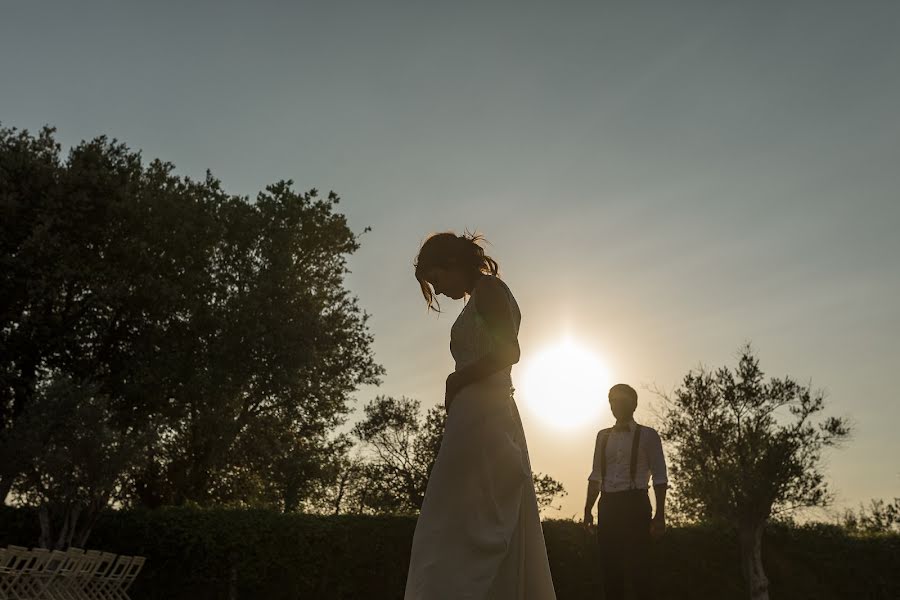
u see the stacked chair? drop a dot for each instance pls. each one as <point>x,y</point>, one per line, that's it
<point>40,574</point>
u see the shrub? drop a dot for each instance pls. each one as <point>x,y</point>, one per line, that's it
<point>209,554</point>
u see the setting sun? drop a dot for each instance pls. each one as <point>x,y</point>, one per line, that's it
<point>565,385</point>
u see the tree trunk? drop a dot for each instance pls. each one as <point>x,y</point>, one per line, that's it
<point>750,535</point>
<point>6,483</point>
<point>73,513</point>
<point>46,533</point>
<point>81,535</point>
<point>48,517</point>
<point>342,487</point>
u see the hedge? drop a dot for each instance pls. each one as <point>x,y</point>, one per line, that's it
<point>225,553</point>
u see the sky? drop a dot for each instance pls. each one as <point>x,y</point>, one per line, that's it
<point>660,181</point>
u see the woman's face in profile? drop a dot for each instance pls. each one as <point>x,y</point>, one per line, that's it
<point>448,281</point>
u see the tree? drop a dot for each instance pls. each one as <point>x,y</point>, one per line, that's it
<point>745,449</point>
<point>219,325</point>
<point>546,489</point>
<point>878,517</point>
<point>77,304</point>
<point>401,447</point>
<point>272,349</point>
<point>78,454</point>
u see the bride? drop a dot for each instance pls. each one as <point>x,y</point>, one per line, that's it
<point>479,533</point>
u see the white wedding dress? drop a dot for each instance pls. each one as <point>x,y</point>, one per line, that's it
<point>479,534</point>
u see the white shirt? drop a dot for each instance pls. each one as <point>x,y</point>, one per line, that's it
<point>618,460</point>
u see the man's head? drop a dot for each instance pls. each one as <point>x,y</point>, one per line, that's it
<point>622,401</point>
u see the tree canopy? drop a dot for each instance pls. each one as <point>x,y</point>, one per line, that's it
<point>214,329</point>
<point>399,448</point>
<point>744,448</point>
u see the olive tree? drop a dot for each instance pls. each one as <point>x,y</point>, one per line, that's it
<point>744,449</point>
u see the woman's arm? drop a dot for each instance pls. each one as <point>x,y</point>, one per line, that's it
<point>492,305</point>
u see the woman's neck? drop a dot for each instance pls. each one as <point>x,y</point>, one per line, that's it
<point>473,282</point>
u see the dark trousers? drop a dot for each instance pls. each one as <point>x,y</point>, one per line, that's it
<point>623,536</point>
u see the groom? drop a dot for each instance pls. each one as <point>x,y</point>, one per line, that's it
<point>625,458</point>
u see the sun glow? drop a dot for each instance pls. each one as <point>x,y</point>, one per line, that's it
<point>565,385</point>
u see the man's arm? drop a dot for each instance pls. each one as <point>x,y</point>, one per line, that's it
<point>594,480</point>
<point>660,485</point>
<point>660,492</point>
<point>658,524</point>
<point>593,490</point>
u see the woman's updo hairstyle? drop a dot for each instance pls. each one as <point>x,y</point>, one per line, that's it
<point>447,250</point>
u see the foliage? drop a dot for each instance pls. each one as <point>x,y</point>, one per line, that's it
<point>878,517</point>
<point>78,456</point>
<point>213,330</point>
<point>207,553</point>
<point>547,489</point>
<point>398,449</point>
<point>743,449</point>
<point>735,455</point>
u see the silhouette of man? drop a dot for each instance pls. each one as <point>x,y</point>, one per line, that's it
<point>625,458</point>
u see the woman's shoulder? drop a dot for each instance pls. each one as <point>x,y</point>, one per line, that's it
<point>491,285</point>
<point>492,293</point>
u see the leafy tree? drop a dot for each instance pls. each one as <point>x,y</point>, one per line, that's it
<point>78,455</point>
<point>547,489</point>
<point>274,347</point>
<point>341,493</point>
<point>745,449</point>
<point>400,448</point>
<point>79,300</point>
<point>878,517</point>
<point>219,325</point>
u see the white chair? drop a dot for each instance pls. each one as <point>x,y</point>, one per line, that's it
<point>45,579</point>
<point>12,565</point>
<point>30,579</point>
<point>39,574</point>
<point>90,562</point>
<point>6,573</point>
<point>110,581</point>
<point>131,573</point>
<point>92,583</point>
<point>63,584</point>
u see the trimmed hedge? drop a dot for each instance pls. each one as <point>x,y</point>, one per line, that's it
<point>211,554</point>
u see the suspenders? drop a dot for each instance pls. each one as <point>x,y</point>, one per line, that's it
<point>635,441</point>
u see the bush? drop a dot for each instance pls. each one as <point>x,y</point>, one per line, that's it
<point>209,554</point>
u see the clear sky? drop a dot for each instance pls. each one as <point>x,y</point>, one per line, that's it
<point>662,181</point>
